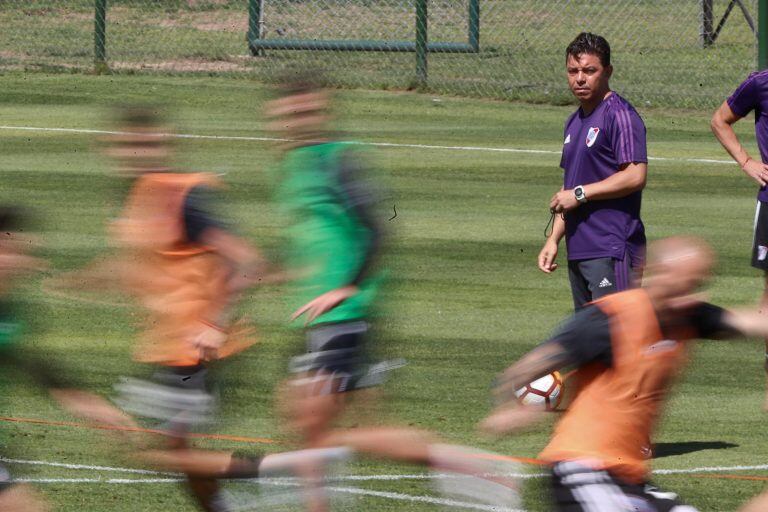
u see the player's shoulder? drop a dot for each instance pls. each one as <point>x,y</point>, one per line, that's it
<point>758,77</point>
<point>616,103</point>
<point>619,107</point>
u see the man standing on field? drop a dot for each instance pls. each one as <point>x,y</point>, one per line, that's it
<point>605,167</point>
<point>751,95</point>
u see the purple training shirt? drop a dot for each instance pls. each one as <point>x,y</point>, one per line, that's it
<point>752,94</point>
<point>595,147</point>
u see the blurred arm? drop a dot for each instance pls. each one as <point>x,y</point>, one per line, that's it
<point>744,323</point>
<point>245,268</point>
<point>360,198</point>
<point>543,360</point>
<point>584,338</point>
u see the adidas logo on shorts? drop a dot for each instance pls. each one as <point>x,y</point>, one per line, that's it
<point>605,283</point>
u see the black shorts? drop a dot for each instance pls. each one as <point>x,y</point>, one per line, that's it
<point>760,238</point>
<point>598,277</point>
<point>577,488</point>
<point>339,351</point>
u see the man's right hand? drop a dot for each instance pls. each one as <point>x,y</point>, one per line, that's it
<point>758,171</point>
<point>547,257</point>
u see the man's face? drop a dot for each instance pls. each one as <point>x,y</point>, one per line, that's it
<point>587,77</point>
<point>140,150</point>
<point>300,116</point>
<point>686,278</point>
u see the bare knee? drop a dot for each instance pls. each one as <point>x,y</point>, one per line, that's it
<point>309,408</point>
<point>759,504</point>
<point>21,498</point>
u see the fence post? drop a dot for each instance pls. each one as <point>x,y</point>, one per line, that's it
<point>421,42</point>
<point>474,24</point>
<point>100,36</point>
<point>762,34</point>
<point>254,24</point>
<point>706,18</point>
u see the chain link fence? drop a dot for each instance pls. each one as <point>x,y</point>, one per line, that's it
<point>665,52</point>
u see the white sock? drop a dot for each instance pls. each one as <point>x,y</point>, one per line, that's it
<point>288,461</point>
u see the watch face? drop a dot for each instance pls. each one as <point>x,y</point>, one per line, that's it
<point>578,191</point>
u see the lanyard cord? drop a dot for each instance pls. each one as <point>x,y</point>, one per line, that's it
<point>550,227</point>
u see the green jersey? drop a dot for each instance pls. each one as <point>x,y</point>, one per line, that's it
<point>330,241</point>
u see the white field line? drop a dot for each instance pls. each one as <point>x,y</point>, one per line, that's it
<point>375,144</point>
<point>710,469</point>
<point>416,476</point>
<point>115,481</point>
<point>82,466</point>
<point>345,490</point>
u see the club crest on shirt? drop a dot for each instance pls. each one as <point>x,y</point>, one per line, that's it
<point>567,139</point>
<point>592,136</point>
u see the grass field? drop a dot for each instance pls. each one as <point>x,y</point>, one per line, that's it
<point>466,297</point>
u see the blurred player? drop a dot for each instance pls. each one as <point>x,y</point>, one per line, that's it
<point>627,349</point>
<point>16,262</point>
<point>605,166</point>
<point>335,241</point>
<point>187,271</point>
<point>751,95</point>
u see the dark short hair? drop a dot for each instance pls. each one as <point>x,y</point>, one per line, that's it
<point>590,44</point>
<point>139,115</point>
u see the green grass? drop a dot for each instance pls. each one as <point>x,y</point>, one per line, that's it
<point>656,50</point>
<point>466,297</point>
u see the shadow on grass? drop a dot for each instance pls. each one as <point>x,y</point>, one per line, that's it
<point>668,449</point>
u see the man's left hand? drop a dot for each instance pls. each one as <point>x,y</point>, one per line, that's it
<point>325,302</point>
<point>563,201</point>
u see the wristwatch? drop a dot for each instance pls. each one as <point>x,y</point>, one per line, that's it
<point>580,195</point>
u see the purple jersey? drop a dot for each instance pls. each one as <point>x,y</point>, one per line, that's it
<point>595,147</point>
<point>752,94</point>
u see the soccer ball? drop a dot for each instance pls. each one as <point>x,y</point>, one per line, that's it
<point>546,392</point>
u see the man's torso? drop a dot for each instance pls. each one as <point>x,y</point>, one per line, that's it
<point>595,146</point>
